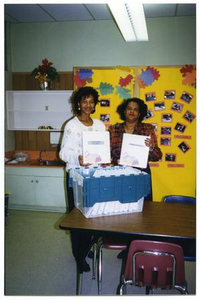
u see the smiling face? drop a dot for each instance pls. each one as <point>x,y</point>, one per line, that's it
<point>87,105</point>
<point>132,112</point>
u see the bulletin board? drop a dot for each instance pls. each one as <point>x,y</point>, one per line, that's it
<point>113,84</point>
<point>170,94</point>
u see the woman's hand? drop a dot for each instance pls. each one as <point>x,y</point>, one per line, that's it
<point>80,159</point>
<point>149,143</point>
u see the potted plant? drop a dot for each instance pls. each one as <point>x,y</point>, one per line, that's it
<point>45,74</point>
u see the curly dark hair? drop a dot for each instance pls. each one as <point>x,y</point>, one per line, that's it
<point>83,93</point>
<point>142,108</point>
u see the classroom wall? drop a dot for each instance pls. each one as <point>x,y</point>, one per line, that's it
<point>172,41</point>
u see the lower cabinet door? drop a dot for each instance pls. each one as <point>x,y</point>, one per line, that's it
<point>22,190</point>
<point>49,191</point>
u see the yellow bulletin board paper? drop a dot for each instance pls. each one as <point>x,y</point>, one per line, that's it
<point>171,100</point>
<point>113,85</point>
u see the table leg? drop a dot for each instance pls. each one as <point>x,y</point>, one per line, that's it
<point>79,279</point>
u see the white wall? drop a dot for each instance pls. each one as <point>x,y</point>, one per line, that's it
<point>172,41</point>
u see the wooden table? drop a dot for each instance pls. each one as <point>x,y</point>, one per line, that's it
<point>171,222</point>
<point>158,219</point>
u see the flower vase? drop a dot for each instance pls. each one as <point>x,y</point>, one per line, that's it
<point>46,85</point>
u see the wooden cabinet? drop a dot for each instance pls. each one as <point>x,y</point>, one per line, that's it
<point>25,81</point>
<point>39,189</point>
<point>28,110</point>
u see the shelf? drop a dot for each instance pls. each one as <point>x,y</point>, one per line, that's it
<point>27,110</point>
<point>36,129</point>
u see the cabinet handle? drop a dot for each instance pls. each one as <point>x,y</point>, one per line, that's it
<point>31,180</point>
<point>36,181</point>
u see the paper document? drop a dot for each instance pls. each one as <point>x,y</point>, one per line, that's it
<point>134,152</point>
<point>96,147</point>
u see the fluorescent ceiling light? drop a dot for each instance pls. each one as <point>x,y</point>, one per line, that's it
<point>130,19</point>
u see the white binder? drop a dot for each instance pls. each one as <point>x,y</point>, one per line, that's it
<point>96,147</point>
<point>134,152</point>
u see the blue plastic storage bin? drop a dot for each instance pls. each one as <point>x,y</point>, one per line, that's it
<point>102,191</point>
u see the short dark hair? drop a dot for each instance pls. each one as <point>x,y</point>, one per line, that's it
<point>142,108</point>
<point>83,93</point>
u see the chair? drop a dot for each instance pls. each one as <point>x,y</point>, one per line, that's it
<point>111,243</point>
<point>79,274</point>
<point>179,199</point>
<point>153,265</point>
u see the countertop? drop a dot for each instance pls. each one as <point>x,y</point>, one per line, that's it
<point>49,156</point>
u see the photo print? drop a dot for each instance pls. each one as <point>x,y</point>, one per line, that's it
<point>170,157</point>
<point>180,127</point>
<point>188,116</point>
<point>105,118</point>
<point>177,107</point>
<point>150,96</point>
<point>149,114</point>
<point>105,102</point>
<point>166,130</point>
<point>166,118</point>
<point>165,141</point>
<point>169,94</point>
<point>184,147</point>
<point>155,126</point>
<point>159,106</point>
<point>186,97</point>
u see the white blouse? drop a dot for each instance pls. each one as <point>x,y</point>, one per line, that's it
<point>71,146</point>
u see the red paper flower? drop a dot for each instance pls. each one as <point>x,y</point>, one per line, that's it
<point>45,71</point>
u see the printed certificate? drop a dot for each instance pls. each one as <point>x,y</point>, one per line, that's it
<point>96,147</point>
<point>134,152</point>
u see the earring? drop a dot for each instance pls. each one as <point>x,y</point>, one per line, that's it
<point>79,108</point>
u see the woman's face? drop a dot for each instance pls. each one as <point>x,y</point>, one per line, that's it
<point>132,112</point>
<point>87,105</point>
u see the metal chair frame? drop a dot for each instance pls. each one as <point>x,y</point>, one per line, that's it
<point>108,245</point>
<point>149,289</point>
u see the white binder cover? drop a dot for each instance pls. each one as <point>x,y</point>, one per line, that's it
<point>134,152</point>
<point>96,147</point>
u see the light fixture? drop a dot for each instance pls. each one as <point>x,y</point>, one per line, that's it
<point>130,19</point>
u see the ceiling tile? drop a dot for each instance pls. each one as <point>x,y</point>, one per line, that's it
<point>99,11</point>
<point>186,10</point>
<point>27,13</point>
<point>82,12</point>
<point>159,10</point>
<point>69,12</point>
<point>10,19</point>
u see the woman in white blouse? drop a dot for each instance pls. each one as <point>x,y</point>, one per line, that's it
<point>84,102</point>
